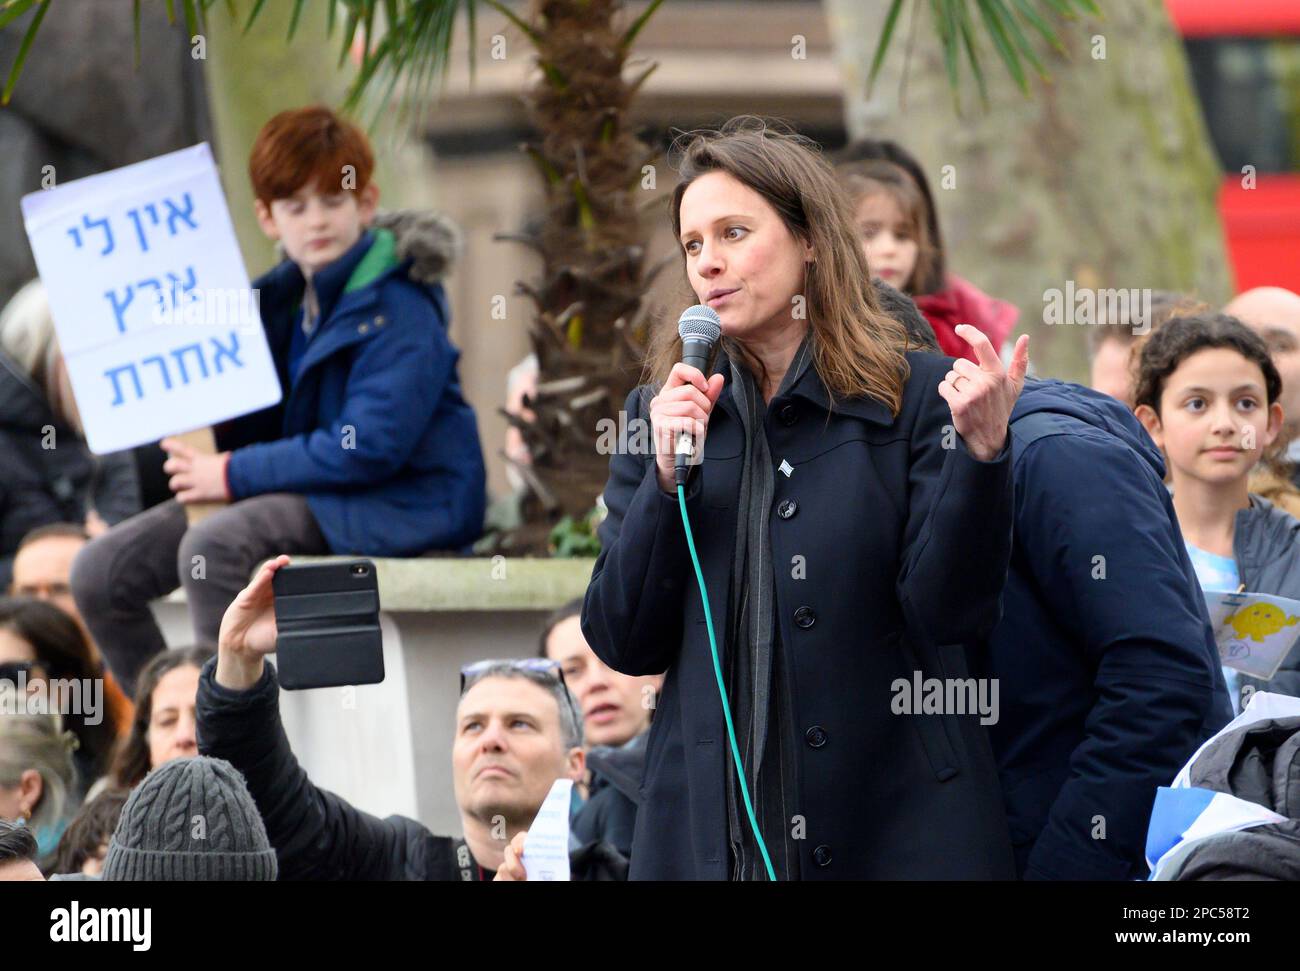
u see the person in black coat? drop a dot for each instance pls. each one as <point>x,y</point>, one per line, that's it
<point>509,748</point>
<point>50,475</point>
<point>852,514</point>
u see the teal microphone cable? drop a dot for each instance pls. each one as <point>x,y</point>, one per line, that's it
<point>722,690</point>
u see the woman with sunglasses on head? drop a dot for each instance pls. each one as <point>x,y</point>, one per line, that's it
<point>50,649</point>
<point>852,515</point>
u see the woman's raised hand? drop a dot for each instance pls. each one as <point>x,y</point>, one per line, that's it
<point>248,630</point>
<point>982,395</point>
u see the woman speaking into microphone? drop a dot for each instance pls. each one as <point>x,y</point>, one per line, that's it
<point>851,514</point>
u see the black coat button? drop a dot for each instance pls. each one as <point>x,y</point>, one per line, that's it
<point>788,415</point>
<point>822,855</point>
<point>815,736</point>
<point>804,617</point>
<point>787,508</point>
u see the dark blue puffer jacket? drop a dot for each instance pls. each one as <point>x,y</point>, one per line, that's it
<point>1108,672</point>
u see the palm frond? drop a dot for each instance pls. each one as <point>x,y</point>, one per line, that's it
<point>10,11</point>
<point>1007,24</point>
<point>416,46</point>
<point>13,9</point>
<point>886,35</point>
<point>967,33</point>
<point>252,14</point>
<point>294,16</point>
<point>191,17</point>
<point>635,27</point>
<point>524,27</point>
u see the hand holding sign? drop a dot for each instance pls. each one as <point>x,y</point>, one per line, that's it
<point>982,395</point>
<point>195,476</point>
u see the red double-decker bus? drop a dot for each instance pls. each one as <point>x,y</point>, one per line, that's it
<point>1245,59</point>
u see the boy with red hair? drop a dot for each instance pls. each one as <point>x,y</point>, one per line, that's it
<point>372,451</point>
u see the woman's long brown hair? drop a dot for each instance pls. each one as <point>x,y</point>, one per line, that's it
<point>131,758</point>
<point>857,347</point>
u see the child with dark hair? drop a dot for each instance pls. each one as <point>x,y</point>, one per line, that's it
<point>904,247</point>
<point>85,842</point>
<point>1207,392</point>
<point>17,853</point>
<point>373,450</point>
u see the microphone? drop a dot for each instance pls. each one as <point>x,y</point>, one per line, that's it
<point>700,329</point>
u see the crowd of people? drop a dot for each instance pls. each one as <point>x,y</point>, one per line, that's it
<point>879,492</point>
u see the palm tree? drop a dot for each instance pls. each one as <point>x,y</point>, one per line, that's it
<point>589,328</point>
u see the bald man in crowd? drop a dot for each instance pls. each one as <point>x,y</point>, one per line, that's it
<point>1274,314</point>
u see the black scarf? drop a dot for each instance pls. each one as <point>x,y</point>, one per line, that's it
<point>759,682</point>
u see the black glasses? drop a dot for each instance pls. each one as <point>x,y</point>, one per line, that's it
<point>9,670</point>
<point>542,666</point>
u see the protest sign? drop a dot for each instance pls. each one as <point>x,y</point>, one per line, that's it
<point>151,302</point>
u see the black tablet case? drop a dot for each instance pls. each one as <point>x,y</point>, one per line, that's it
<point>327,622</point>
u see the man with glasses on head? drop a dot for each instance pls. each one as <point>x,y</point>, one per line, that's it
<point>505,755</point>
<point>517,731</point>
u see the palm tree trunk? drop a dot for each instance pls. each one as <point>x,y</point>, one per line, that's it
<point>588,332</point>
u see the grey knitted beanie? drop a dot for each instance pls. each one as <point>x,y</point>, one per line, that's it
<point>190,819</point>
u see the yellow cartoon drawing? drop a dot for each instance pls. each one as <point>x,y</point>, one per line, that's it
<point>1259,620</point>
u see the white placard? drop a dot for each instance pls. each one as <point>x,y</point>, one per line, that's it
<point>151,301</point>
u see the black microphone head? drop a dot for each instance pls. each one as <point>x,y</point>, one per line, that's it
<point>700,323</point>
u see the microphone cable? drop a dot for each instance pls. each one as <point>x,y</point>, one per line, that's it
<point>722,690</point>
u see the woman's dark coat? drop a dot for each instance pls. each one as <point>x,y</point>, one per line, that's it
<point>47,474</point>
<point>890,545</point>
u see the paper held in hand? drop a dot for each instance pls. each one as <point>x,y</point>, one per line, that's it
<point>1254,631</point>
<point>546,848</point>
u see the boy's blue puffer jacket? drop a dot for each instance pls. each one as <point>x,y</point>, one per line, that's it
<point>374,430</point>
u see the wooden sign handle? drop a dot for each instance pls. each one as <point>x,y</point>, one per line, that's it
<point>201,440</point>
